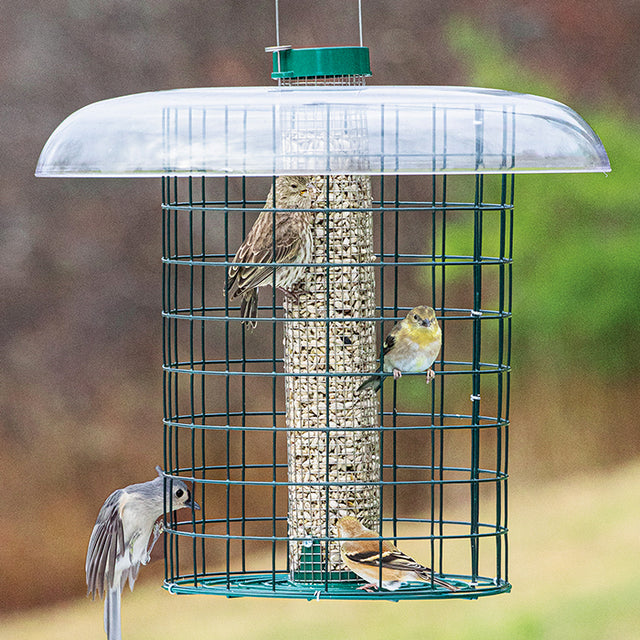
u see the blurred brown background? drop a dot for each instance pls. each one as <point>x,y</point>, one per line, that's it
<point>80,392</point>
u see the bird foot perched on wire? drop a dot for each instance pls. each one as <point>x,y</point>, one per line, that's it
<point>293,295</point>
<point>369,588</point>
<point>431,374</point>
<point>397,374</point>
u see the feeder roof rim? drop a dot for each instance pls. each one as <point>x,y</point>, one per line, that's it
<point>145,134</point>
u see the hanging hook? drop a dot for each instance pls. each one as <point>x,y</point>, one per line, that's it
<point>277,47</point>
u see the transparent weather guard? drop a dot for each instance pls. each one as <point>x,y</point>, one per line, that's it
<point>240,131</point>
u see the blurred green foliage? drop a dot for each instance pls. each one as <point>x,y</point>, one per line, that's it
<point>576,236</point>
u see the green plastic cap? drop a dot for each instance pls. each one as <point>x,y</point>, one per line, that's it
<point>322,61</point>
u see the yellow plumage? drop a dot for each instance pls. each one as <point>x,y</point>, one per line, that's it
<point>412,345</point>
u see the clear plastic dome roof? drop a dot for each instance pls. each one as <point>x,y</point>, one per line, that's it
<point>321,130</point>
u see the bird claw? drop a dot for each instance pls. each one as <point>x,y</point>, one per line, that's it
<point>369,588</point>
<point>430,375</point>
<point>397,374</point>
<point>293,295</point>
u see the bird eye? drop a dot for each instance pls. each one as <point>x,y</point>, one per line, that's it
<point>415,316</point>
<point>179,493</point>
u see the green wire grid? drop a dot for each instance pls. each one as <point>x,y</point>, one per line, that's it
<point>444,447</point>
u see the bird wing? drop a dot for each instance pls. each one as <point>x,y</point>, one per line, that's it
<point>106,546</point>
<point>389,341</point>
<point>368,553</point>
<point>258,247</point>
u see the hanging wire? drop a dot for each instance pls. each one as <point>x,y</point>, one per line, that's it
<point>277,7</point>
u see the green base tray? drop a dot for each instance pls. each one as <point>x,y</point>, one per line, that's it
<point>266,585</point>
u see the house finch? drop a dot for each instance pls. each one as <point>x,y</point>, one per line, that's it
<point>292,244</point>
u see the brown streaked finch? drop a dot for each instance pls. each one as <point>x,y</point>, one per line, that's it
<point>292,244</point>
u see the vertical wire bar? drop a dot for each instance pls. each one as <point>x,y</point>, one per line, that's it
<point>192,373</point>
<point>432,434</point>
<point>243,395</point>
<point>165,383</point>
<point>382,334</point>
<point>243,379</point>
<point>441,417</point>
<point>396,258</point>
<point>174,334</point>
<point>500,391</point>
<point>203,505</point>
<point>475,411</point>
<point>508,381</point>
<point>274,425</point>
<point>227,393</point>
<point>327,361</point>
<point>171,377</point>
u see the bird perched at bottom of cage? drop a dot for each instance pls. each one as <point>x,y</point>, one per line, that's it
<point>291,243</point>
<point>119,541</point>
<point>412,345</point>
<point>363,556</point>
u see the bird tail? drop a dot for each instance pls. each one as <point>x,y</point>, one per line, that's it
<point>427,576</point>
<point>249,306</point>
<point>374,382</point>
<point>112,614</point>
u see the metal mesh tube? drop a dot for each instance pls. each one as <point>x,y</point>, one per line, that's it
<point>325,447</point>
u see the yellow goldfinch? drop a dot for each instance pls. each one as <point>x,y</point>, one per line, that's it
<point>293,243</point>
<point>362,556</point>
<point>412,345</point>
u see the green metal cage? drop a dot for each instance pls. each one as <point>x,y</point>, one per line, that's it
<point>413,205</point>
<point>442,477</point>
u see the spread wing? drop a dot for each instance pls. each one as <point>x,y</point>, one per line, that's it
<point>105,547</point>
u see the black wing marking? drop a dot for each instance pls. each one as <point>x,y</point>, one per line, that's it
<point>388,344</point>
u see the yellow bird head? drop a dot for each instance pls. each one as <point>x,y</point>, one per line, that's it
<point>421,318</point>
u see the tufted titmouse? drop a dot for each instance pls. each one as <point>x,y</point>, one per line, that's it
<point>119,542</point>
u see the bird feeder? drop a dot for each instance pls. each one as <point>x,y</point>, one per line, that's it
<point>412,205</point>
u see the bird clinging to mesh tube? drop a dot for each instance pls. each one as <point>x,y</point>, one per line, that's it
<point>121,539</point>
<point>292,244</point>
<point>412,345</point>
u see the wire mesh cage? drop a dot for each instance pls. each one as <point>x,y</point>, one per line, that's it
<point>246,413</point>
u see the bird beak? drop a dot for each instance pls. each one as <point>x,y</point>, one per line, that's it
<point>191,503</point>
<point>426,322</point>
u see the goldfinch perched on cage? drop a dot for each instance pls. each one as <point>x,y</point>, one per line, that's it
<point>363,557</point>
<point>412,345</point>
<point>292,243</point>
